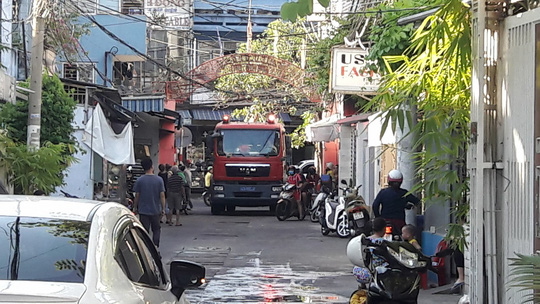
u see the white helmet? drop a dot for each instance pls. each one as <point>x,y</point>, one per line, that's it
<point>395,176</point>
<point>355,251</point>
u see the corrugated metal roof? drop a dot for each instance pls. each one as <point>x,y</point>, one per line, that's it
<point>185,114</point>
<point>210,114</point>
<point>138,104</point>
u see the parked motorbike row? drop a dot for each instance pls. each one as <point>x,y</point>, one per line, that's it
<point>345,215</point>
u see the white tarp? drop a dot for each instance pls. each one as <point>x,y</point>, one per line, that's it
<point>101,138</point>
<point>375,129</point>
<point>325,129</point>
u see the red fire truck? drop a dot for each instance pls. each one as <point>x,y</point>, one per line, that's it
<point>249,162</point>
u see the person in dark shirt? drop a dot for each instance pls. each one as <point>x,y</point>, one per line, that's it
<point>165,176</point>
<point>149,200</point>
<point>175,194</point>
<point>391,202</point>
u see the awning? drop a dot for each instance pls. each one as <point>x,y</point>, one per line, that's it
<point>144,103</point>
<point>210,114</point>
<point>323,130</point>
<point>354,119</point>
<point>185,114</point>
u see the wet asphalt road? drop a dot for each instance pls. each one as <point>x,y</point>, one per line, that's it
<point>251,257</point>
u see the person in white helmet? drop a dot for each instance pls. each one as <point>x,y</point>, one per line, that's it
<point>392,201</point>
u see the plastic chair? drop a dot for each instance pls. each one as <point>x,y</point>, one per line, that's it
<point>439,263</point>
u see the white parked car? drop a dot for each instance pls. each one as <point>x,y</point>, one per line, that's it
<point>304,165</point>
<point>62,250</point>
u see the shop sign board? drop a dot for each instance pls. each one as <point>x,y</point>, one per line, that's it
<point>350,73</point>
<point>176,15</point>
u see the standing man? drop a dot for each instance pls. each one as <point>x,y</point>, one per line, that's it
<point>165,176</point>
<point>187,185</point>
<point>175,195</point>
<point>150,200</point>
<point>392,201</point>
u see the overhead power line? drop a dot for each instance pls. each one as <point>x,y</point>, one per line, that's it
<point>135,50</point>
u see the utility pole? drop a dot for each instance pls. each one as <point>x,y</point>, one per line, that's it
<point>36,66</point>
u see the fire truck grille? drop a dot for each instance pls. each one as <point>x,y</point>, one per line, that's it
<point>239,170</point>
<point>247,194</point>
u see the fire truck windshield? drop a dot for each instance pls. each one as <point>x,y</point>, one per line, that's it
<point>253,142</point>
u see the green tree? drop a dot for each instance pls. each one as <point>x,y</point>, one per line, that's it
<point>284,40</point>
<point>290,11</point>
<point>42,169</point>
<point>29,170</point>
<point>57,113</point>
<point>434,76</point>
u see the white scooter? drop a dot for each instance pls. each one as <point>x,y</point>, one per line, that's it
<point>334,216</point>
<point>318,204</point>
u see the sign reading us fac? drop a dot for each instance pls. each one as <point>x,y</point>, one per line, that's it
<point>350,72</point>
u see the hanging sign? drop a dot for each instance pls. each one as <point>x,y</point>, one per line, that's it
<point>175,15</point>
<point>350,73</point>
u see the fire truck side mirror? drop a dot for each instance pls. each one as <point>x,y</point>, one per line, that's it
<point>288,142</point>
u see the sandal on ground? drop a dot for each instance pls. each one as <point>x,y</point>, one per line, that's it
<point>457,288</point>
<point>178,225</point>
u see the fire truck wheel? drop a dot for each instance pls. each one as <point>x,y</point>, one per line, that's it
<point>217,210</point>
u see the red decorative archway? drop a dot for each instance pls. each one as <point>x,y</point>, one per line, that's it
<point>240,63</point>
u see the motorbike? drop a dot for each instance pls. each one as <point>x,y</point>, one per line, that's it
<point>333,216</point>
<point>357,213</point>
<point>207,197</point>
<point>318,203</point>
<point>394,277</point>
<point>287,205</point>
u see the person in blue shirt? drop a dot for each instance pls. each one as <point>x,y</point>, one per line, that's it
<point>392,201</point>
<point>149,200</point>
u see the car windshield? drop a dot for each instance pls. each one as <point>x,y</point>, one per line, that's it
<point>252,142</point>
<point>38,249</point>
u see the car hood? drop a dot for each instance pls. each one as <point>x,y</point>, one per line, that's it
<point>40,292</point>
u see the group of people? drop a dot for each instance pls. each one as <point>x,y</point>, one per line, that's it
<point>389,207</point>
<point>305,185</point>
<point>165,194</point>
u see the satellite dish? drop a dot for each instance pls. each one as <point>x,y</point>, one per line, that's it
<point>183,137</point>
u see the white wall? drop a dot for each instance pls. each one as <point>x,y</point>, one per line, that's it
<point>345,157</point>
<point>79,175</point>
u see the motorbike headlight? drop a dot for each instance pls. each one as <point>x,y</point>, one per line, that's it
<point>286,194</point>
<point>218,188</point>
<point>407,258</point>
<point>276,189</point>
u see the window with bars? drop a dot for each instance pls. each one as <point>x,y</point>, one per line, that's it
<point>79,71</point>
<point>132,7</point>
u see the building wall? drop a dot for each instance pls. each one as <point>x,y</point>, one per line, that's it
<point>97,42</point>
<point>365,164</point>
<point>344,156</point>
<point>79,175</point>
<point>147,133</point>
<point>231,23</point>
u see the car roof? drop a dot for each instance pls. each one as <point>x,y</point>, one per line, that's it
<point>48,207</point>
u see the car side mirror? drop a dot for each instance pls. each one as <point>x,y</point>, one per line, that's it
<point>185,274</point>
